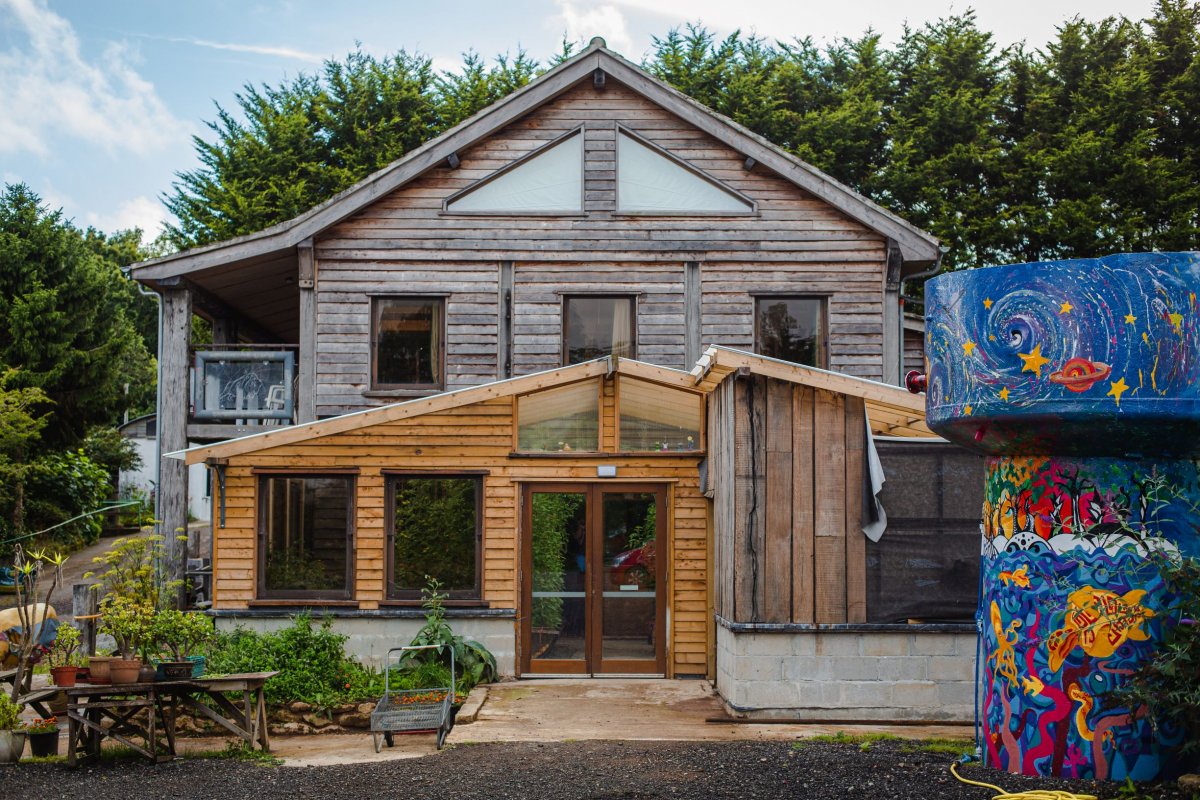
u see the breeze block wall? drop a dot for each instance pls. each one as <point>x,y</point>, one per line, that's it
<point>1081,380</point>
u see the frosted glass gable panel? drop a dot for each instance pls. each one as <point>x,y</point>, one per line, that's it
<point>648,181</point>
<point>547,181</point>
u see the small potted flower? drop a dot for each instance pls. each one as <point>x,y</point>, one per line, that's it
<point>43,737</point>
<point>63,658</point>
<point>12,738</point>
<point>180,634</point>
<point>127,621</point>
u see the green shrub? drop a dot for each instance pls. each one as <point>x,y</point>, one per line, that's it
<point>473,662</point>
<point>10,713</point>
<point>311,660</point>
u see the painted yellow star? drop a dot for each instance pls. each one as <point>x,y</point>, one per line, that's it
<point>987,303</point>
<point>968,348</point>
<point>1118,387</point>
<point>1034,361</point>
<point>1130,318</point>
<point>967,410</point>
<point>1177,322</point>
<point>1065,308</point>
<point>1004,394</point>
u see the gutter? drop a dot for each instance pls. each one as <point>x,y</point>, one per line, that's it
<point>929,273</point>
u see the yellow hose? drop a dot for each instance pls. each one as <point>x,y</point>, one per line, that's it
<point>1035,794</point>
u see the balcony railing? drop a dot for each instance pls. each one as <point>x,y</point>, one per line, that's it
<point>244,386</point>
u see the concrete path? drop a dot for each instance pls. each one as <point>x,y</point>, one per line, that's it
<point>564,710</point>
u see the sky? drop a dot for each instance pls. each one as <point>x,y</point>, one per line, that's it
<point>100,99</point>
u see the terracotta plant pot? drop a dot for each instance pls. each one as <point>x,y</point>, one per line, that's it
<point>12,745</point>
<point>124,670</point>
<point>98,669</point>
<point>64,676</point>
<point>42,745</point>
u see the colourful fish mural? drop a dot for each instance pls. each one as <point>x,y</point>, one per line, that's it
<point>1083,385</point>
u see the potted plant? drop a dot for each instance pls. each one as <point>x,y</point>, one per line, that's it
<point>63,658</point>
<point>127,620</point>
<point>180,634</point>
<point>43,737</point>
<point>12,739</point>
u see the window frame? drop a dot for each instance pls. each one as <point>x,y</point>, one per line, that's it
<point>374,384</point>
<point>600,427</point>
<point>260,549</point>
<point>822,323</point>
<point>409,597</point>
<point>565,299</point>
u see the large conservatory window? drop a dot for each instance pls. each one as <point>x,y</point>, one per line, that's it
<point>435,532</point>
<point>407,335</point>
<point>305,524</point>
<point>598,326</point>
<point>656,418</point>
<point>560,420</point>
<point>549,180</point>
<point>650,181</point>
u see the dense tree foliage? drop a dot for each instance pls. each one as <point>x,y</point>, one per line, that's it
<point>1087,146</point>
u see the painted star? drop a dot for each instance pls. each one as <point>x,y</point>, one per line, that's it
<point>1034,361</point>
<point>1004,394</point>
<point>1130,318</point>
<point>987,303</point>
<point>967,410</point>
<point>1065,308</point>
<point>1118,388</point>
<point>1177,322</point>
<point>968,348</point>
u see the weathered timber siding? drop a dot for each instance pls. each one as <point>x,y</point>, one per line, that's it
<point>787,486</point>
<point>404,244</point>
<point>478,436</point>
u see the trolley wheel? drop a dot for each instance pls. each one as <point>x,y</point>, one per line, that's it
<point>378,741</point>
<point>391,741</point>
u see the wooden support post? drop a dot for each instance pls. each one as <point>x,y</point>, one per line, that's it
<point>504,366</point>
<point>83,609</point>
<point>172,430</point>
<point>691,313</point>
<point>306,393</point>
<point>893,323</point>
<point>225,330</point>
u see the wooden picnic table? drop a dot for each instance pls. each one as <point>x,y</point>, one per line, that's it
<point>89,705</point>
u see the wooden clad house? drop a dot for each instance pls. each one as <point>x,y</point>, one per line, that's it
<point>572,248</point>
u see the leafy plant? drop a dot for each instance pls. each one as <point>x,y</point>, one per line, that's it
<point>10,713</point>
<point>64,652</point>
<point>129,570</point>
<point>128,620</point>
<point>39,725</point>
<point>473,662</point>
<point>1166,686</point>
<point>181,633</point>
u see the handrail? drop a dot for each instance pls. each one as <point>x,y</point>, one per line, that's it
<point>110,507</point>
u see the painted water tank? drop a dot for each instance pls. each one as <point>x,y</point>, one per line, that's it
<point>1081,380</point>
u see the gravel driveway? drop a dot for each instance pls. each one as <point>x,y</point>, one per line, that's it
<point>885,771</point>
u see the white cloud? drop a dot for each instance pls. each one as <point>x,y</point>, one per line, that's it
<point>281,51</point>
<point>581,22</point>
<point>140,212</point>
<point>48,88</point>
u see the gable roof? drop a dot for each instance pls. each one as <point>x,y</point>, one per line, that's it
<point>915,245</point>
<point>892,410</point>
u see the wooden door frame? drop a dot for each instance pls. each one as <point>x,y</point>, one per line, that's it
<point>593,491</point>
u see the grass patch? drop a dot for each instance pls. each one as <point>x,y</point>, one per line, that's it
<point>236,751</point>
<point>864,741</point>
<point>44,760</point>
<point>949,747</point>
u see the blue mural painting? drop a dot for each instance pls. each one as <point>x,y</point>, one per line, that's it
<point>1082,380</point>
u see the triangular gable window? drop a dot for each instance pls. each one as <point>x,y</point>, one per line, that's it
<point>650,181</point>
<point>549,180</point>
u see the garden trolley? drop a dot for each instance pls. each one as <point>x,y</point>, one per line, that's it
<point>411,710</point>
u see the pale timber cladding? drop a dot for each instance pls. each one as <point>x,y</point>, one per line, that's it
<point>405,244</point>
<point>786,476</point>
<point>480,436</point>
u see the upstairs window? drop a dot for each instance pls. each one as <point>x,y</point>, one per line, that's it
<point>598,326</point>
<point>406,342</point>
<point>652,181</point>
<point>791,329</point>
<point>547,181</point>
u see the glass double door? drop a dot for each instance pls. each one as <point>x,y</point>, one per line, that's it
<point>594,584</point>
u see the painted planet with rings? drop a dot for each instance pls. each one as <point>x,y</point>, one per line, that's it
<point>1080,374</point>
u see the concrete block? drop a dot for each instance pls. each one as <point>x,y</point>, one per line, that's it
<point>768,644</point>
<point>749,668</point>
<point>905,668</point>
<point>860,695</point>
<point>952,668</point>
<point>933,644</point>
<point>915,694</point>
<point>770,694</point>
<point>804,644</point>
<point>802,668</point>
<point>837,644</point>
<point>852,668</point>
<point>884,644</point>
